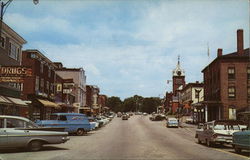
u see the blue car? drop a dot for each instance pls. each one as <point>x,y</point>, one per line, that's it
<point>72,122</point>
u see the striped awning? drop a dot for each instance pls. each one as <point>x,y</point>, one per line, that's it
<point>48,103</point>
<point>4,100</point>
<point>17,101</point>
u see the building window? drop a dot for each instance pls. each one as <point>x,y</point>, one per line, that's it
<point>248,92</point>
<point>41,67</point>
<point>231,73</point>
<point>14,51</point>
<point>42,84</point>
<point>47,85</point>
<point>232,113</point>
<point>33,55</point>
<point>37,84</point>
<point>49,72</point>
<point>3,42</point>
<point>248,73</point>
<point>231,92</point>
<point>51,88</point>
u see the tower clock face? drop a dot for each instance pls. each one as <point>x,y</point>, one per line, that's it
<point>179,73</point>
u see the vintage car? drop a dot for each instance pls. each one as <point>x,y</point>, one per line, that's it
<point>172,122</point>
<point>241,141</point>
<point>219,131</point>
<point>72,122</point>
<point>125,117</point>
<point>19,132</point>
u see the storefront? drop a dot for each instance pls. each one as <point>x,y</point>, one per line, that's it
<point>42,109</point>
<point>13,106</point>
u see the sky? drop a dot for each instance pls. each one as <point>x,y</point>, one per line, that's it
<point>129,47</point>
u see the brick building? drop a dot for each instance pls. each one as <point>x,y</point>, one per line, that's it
<point>40,87</point>
<point>92,94</point>
<point>10,55</point>
<point>227,83</point>
<point>102,100</point>
<point>178,80</point>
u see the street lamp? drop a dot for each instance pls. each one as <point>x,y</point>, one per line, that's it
<point>4,6</point>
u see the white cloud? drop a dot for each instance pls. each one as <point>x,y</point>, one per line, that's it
<point>124,61</point>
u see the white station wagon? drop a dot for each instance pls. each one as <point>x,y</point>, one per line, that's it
<point>19,132</point>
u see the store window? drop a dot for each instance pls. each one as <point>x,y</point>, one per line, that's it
<point>231,73</point>
<point>231,92</point>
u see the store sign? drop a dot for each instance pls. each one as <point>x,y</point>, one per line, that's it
<point>15,74</point>
<point>67,91</point>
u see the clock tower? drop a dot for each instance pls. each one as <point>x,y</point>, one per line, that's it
<point>178,77</point>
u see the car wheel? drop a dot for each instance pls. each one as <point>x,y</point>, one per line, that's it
<point>35,145</point>
<point>237,150</point>
<point>80,132</point>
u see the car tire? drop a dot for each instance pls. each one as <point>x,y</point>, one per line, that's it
<point>35,146</point>
<point>80,132</point>
<point>237,150</point>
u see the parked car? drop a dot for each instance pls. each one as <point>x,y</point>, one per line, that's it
<point>119,114</point>
<point>241,141</point>
<point>125,117</point>
<point>172,122</point>
<point>219,131</point>
<point>145,114</point>
<point>157,117</point>
<point>93,123</point>
<point>20,132</point>
<point>72,122</point>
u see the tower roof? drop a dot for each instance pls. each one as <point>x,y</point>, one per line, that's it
<point>178,71</point>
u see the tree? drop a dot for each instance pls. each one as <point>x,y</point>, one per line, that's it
<point>150,105</point>
<point>115,104</point>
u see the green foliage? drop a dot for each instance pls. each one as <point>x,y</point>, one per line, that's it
<point>134,104</point>
<point>114,103</point>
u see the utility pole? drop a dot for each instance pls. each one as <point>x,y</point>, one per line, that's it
<point>4,6</point>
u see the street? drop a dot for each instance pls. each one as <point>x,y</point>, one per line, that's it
<point>136,138</point>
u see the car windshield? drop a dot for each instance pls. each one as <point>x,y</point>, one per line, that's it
<point>172,120</point>
<point>219,127</point>
<point>226,127</point>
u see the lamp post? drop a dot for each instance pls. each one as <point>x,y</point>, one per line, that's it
<point>4,6</point>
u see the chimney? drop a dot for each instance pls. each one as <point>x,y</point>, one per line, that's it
<point>240,43</point>
<point>219,52</point>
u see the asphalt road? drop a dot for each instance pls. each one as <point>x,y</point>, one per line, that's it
<point>136,138</point>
